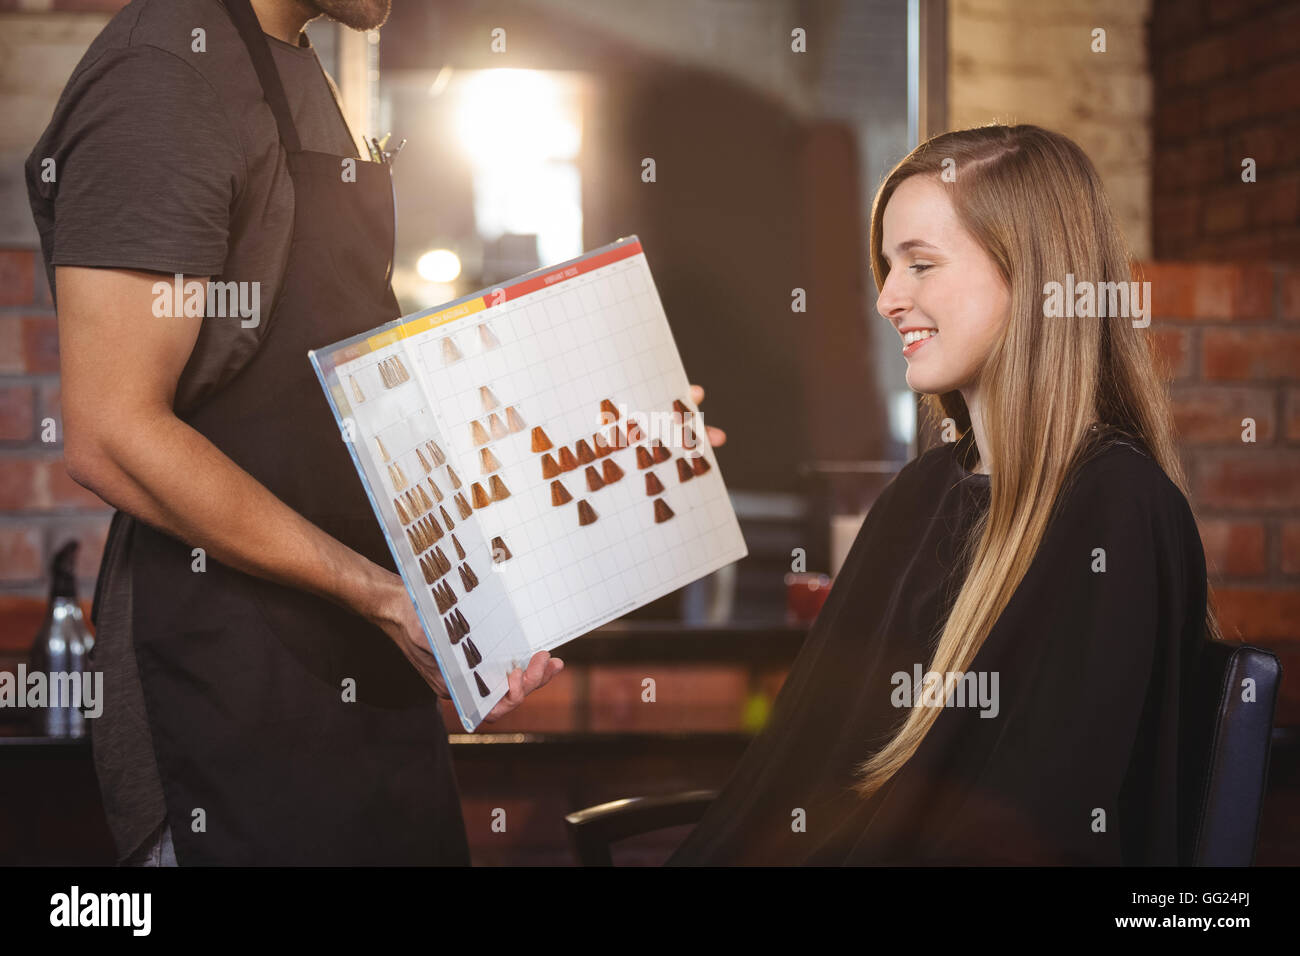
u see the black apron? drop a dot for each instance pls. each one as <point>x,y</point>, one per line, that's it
<point>262,759</point>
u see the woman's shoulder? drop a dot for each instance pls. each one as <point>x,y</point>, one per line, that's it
<point>1118,481</point>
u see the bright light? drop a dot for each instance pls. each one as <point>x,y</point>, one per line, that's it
<point>438,265</point>
<point>515,118</point>
<point>522,133</point>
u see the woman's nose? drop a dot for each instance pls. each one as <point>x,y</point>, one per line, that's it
<point>891,301</point>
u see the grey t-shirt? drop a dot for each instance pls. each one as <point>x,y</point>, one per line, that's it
<point>168,159</point>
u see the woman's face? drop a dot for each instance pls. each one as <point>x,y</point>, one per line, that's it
<point>940,279</point>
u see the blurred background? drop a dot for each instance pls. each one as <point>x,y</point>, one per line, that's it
<point>525,148</point>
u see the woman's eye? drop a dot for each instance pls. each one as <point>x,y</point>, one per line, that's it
<point>920,266</point>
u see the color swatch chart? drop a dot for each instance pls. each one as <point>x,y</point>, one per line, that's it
<point>535,460</point>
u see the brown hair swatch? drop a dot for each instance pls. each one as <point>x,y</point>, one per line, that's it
<point>662,511</point>
<point>541,441</point>
<point>559,494</point>
<point>610,471</point>
<point>586,513</point>
<point>594,481</point>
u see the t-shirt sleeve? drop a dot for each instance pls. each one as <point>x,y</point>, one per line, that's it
<point>1090,650</point>
<point>147,167</point>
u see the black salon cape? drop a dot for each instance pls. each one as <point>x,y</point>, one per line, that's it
<point>1080,765</point>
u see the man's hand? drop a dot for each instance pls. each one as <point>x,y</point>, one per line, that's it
<point>716,435</point>
<point>395,615</point>
<point>540,670</point>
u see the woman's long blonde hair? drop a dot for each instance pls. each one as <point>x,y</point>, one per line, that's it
<point>1032,199</point>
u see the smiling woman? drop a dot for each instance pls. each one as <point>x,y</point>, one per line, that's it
<point>1066,575</point>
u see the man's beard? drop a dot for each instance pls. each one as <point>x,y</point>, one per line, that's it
<point>357,14</point>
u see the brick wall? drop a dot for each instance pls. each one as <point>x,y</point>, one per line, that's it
<point>1227,88</point>
<point>1231,336</point>
<point>41,507</point>
<point>1026,61</point>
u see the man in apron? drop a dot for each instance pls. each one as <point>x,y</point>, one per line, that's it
<point>287,688</point>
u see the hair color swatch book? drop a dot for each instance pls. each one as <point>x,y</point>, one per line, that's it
<point>533,456</point>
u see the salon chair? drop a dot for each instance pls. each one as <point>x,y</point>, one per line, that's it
<point>1223,768</point>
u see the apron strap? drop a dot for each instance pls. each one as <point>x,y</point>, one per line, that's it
<point>250,31</point>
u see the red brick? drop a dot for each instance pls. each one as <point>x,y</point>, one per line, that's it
<point>1291,293</point>
<point>1291,547</point>
<point>1202,61</point>
<point>20,554</point>
<point>1228,104</point>
<point>1212,414</point>
<point>1202,162</point>
<point>1227,11</point>
<point>1276,90</point>
<point>1293,414</point>
<point>1226,211</point>
<point>1172,347</point>
<point>1172,25</point>
<point>1254,354</point>
<point>17,272</point>
<point>1178,117</point>
<point>1272,144</point>
<point>1259,614</point>
<point>41,344</point>
<point>1275,200</point>
<point>39,482</point>
<point>1234,548</point>
<point>1177,216</point>
<point>17,412</point>
<point>1193,290</point>
<point>1253,477</point>
<point>11,344</point>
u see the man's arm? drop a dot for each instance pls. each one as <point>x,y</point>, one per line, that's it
<point>120,366</point>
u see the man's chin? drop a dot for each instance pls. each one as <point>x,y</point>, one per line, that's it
<point>356,14</point>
